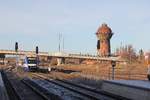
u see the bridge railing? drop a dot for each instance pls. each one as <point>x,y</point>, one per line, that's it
<point>84,56</point>
<point>71,54</point>
<point>21,52</point>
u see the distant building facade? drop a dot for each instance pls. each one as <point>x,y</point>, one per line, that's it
<point>104,34</point>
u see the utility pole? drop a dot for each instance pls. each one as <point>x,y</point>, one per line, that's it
<point>63,43</point>
<point>59,41</point>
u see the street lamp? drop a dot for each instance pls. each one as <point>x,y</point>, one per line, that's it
<point>113,64</point>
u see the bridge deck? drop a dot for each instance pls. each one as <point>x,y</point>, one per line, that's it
<point>61,55</point>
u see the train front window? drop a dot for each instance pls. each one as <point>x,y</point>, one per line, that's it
<point>32,61</point>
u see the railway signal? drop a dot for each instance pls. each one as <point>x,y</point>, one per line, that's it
<point>17,58</point>
<point>37,50</point>
<point>16,46</point>
<point>37,57</point>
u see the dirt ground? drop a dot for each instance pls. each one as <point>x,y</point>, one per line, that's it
<point>90,75</point>
<point>134,71</point>
<point>98,71</point>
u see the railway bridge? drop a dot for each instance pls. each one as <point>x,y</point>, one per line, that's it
<point>59,56</point>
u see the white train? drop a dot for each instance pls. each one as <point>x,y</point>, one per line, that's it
<point>30,64</point>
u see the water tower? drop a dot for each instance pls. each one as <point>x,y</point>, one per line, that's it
<point>104,35</point>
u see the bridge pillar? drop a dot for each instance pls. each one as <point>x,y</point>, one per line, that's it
<point>2,57</point>
<point>63,61</point>
<point>80,61</point>
<point>60,61</point>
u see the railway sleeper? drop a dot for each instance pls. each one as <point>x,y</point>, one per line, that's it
<point>12,93</point>
<point>40,90</point>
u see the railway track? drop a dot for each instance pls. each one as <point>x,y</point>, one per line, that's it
<point>25,90</point>
<point>9,87</point>
<point>90,93</point>
<point>42,87</point>
<point>40,90</point>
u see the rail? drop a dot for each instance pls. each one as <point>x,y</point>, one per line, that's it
<point>46,95</point>
<point>91,93</point>
<point>9,87</point>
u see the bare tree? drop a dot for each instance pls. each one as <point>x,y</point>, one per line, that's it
<point>141,55</point>
<point>127,52</point>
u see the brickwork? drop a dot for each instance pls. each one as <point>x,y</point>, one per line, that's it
<point>104,34</point>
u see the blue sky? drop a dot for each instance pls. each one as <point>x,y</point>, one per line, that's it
<point>38,22</point>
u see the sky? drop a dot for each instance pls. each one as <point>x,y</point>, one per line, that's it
<point>34,23</point>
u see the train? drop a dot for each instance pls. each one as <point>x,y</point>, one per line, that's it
<point>30,63</point>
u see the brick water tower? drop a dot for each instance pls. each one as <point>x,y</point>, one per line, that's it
<point>104,35</point>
